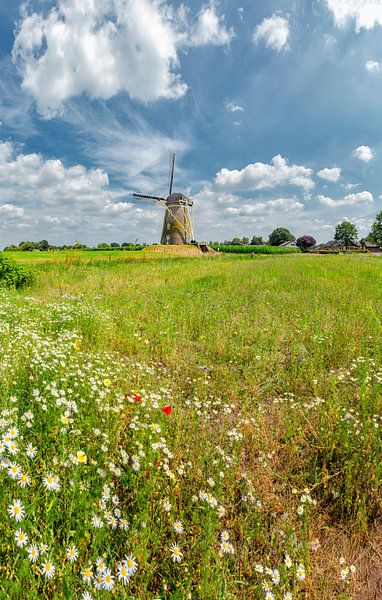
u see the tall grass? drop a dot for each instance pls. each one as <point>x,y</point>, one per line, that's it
<point>273,373</point>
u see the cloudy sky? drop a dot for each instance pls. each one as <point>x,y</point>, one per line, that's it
<point>273,109</point>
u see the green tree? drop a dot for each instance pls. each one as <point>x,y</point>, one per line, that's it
<point>245,241</point>
<point>346,233</point>
<point>376,230</point>
<point>27,246</point>
<point>114,245</point>
<point>43,245</point>
<point>236,241</point>
<point>280,235</point>
<point>103,246</point>
<point>257,240</point>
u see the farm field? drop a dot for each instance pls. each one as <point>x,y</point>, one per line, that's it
<point>202,428</point>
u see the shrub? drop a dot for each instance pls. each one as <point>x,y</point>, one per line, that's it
<point>306,242</point>
<point>13,275</point>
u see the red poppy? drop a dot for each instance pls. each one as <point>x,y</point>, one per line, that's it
<point>127,395</point>
<point>137,398</point>
<point>157,463</point>
<point>167,410</point>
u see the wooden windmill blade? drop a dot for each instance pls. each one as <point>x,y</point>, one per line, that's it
<point>171,176</point>
<point>149,197</point>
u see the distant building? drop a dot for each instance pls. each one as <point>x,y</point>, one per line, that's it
<point>371,247</point>
<point>289,244</point>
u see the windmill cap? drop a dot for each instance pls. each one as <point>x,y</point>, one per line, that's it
<point>176,198</point>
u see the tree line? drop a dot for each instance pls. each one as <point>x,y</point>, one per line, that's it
<point>44,245</point>
<point>345,234</point>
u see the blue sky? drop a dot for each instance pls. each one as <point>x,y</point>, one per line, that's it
<point>273,109</point>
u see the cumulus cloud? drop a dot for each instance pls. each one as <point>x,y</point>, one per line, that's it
<point>332,174</point>
<point>366,14</point>
<point>100,48</point>
<point>364,153</point>
<point>359,198</point>
<point>11,210</point>
<point>274,32</point>
<point>260,176</point>
<point>28,178</point>
<point>231,107</point>
<point>280,204</point>
<point>209,29</point>
<point>373,66</point>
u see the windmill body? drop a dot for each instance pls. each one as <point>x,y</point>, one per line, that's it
<point>177,225</point>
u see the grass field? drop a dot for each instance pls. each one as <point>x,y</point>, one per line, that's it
<point>201,428</point>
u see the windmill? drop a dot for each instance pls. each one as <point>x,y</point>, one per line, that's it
<point>177,225</point>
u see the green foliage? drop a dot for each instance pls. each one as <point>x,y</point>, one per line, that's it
<point>12,274</point>
<point>376,230</point>
<point>257,240</point>
<point>346,233</point>
<point>280,235</point>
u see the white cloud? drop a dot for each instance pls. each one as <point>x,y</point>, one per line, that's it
<point>67,203</point>
<point>365,13</point>
<point>11,210</point>
<point>118,207</point>
<point>100,48</point>
<point>373,66</point>
<point>231,107</point>
<point>260,176</point>
<point>209,29</point>
<point>350,186</point>
<point>359,198</point>
<point>364,153</point>
<point>330,174</point>
<point>280,204</point>
<point>28,179</point>
<point>274,32</point>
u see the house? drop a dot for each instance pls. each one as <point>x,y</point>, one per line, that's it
<point>289,244</point>
<point>371,247</point>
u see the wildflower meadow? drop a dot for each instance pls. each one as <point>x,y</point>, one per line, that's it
<point>191,428</point>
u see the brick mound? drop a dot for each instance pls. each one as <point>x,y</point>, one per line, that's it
<point>173,250</point>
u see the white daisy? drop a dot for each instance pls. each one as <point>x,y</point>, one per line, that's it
<point>178,527</point>
<point>24,480</point>
<point>130,564</point>
<point>48,569</point>
<point>31,451</point>
<point>21,538</point>
<point>14,471</point>
<point>16,510</point>
<point>107,580</point>
<point>176,554</point>
<point>101,565</point>
<point>33,553</point>
<point>87,575</point>
<point>72,554</point>
<point>122,573</point>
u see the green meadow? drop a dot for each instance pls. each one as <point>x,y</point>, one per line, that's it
<point>191,428</point>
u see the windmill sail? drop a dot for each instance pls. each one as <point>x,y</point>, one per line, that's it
<point>171,178</point>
